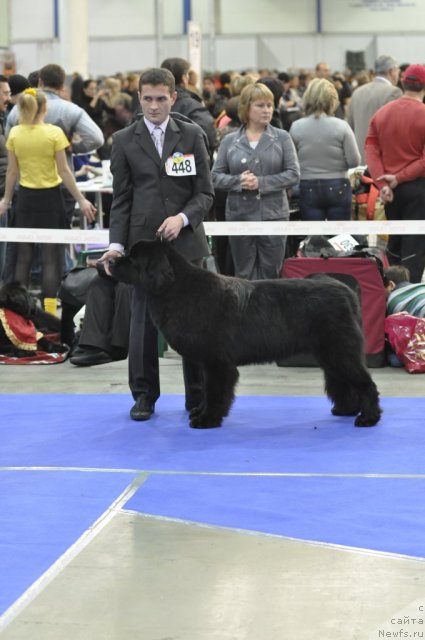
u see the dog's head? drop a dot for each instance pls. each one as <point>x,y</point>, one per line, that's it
<point>147,265</point>
<point>16,297</point>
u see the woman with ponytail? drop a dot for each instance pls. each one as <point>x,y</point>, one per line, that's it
<point>37,154</point>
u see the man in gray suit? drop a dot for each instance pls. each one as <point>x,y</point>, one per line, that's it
<point>152,197</point>
<point>368,98</point>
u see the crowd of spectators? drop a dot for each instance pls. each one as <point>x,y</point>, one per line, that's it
<point>317,117</point>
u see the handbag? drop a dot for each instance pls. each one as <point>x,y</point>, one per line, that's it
<point>406,335</point>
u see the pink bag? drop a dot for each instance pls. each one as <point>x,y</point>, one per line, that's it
<point>406,335</point>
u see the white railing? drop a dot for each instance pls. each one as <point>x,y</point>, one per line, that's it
<point>278,228</point>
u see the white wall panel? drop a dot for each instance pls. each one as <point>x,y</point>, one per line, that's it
<point>267,16</point>
<point>271,33</point>
<point>109,18</point>
<point>31,56</point>
<point>376,16</point>
<point>409,49</point>
<point>32,20</point>
<point>236,53</point>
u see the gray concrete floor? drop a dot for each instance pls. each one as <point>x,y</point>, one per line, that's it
<point>149,578</point>
<point>254,380</point>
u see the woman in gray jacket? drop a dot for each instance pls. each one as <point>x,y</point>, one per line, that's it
<point>256,165</point>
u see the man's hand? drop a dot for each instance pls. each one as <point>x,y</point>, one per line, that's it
<point>249,180</point>
<point>386,195</point>
<point>109,255</point>
<point>170,228</point>
<point>390,178</point>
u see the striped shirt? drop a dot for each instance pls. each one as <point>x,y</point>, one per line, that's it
<point>407,297</point>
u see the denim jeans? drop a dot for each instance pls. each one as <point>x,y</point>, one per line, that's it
<point>325,199</point>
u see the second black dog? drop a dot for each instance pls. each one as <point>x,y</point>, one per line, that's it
<point>16,297</point>
<point>224,322</point>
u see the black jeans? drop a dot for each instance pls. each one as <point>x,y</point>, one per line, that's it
<point>409,250</point>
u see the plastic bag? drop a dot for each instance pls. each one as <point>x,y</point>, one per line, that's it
<point>406,335</point>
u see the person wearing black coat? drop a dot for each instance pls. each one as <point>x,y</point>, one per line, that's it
<point>188,103</point>
<point>151,198</point>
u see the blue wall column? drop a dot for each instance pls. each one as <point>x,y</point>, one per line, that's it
<point>187,14</point>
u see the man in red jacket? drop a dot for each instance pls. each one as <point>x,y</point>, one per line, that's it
<point>395,155</point>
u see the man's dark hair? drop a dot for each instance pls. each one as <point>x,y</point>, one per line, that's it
<point>413,86</point>
<point>4,79</point>
<point>158,76</point>
<point>178,67</point>
<point>33,78</point>
<point>53,76</point>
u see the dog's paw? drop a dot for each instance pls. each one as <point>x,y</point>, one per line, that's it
<point>344,411</point>
<point>367,421</point>
<point>61,348</point>
<point>204,421</point>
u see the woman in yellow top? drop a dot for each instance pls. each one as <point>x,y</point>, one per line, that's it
<point>36,152</point>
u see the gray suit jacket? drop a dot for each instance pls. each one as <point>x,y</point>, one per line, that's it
<point>144,195</point>
<point>365,101</point>
<point>274,161</point>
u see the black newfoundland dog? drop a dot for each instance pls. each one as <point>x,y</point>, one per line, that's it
<point>225,322</point>
<point>16,297</point>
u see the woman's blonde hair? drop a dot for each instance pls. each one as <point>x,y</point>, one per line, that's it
<point>112,84</point>
<point>30,103</point>
<point>239,82</point>
<point>250,94</point>
<point>320,97</point>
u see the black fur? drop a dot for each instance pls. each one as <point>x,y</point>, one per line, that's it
<point>225,322</point>
<point>16,297</point>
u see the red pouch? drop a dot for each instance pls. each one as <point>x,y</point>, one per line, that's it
<point>406,335</point>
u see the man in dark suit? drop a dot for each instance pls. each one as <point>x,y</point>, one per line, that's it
<point>151,198</point>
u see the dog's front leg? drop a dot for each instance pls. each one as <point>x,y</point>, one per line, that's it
<point>220,379</point>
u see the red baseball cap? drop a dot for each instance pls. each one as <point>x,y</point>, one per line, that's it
<point>414,74</point>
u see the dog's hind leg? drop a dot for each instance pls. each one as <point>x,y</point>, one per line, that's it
<point>344,397</point>
<point>340,353</point>
<point>220,380</point>
<point>351,389</point>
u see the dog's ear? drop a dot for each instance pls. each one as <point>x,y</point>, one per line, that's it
<point>159,273</point>
<point>5,293</point>
<point>125,270</point>
<point>16,297</point>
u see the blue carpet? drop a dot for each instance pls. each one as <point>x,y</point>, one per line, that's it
<point>42,515</point>
<point>383,514</point>
<point>262,434</point>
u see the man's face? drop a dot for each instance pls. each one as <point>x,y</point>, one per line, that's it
<point>156,102</point>
<point>4,96</point>
<point>323,71</point>
<point>394,75</point>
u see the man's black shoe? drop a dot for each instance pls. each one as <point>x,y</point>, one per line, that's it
<point>89,356</point>
<point>142,410</point>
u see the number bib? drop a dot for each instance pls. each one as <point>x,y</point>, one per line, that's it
<point>179,165</point>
